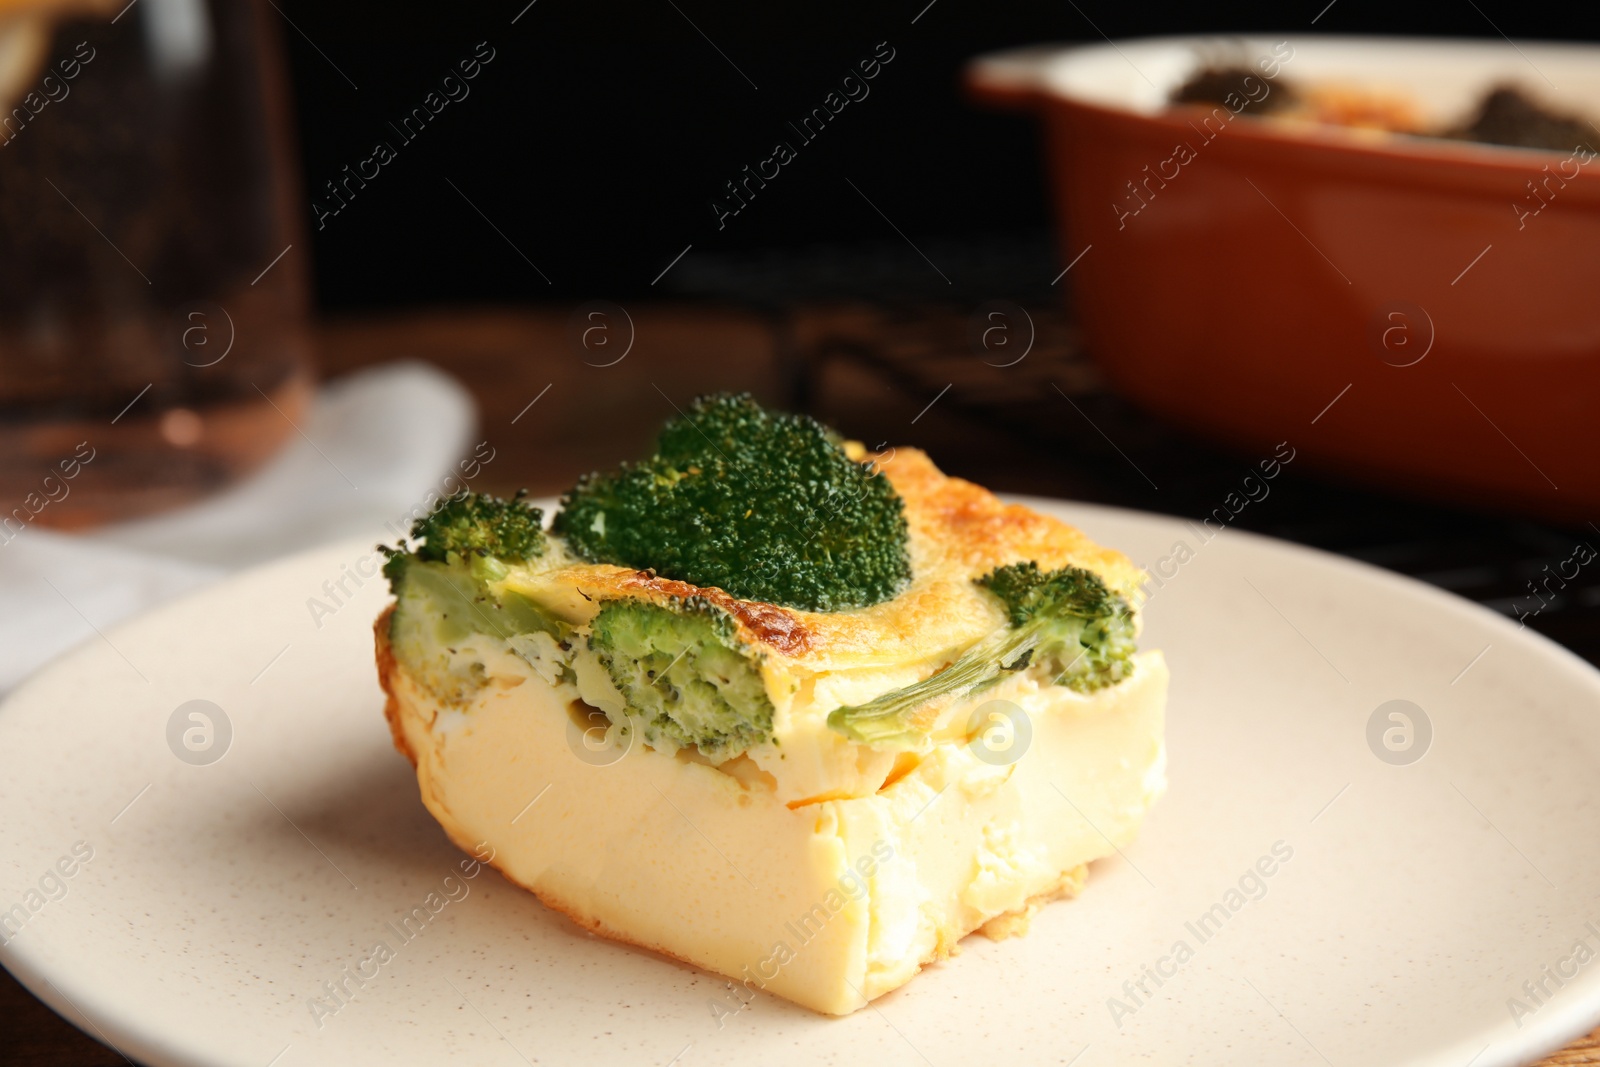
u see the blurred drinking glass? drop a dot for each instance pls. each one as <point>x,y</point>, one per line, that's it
<point>152,312</point>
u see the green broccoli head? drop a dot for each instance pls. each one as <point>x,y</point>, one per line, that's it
<point>484,531</point>
<point>443,592</point>
<point>683,671</point>
<point>764,505</point>
<point>477,524</point>
<point>1065,625</point>
<point>1082,633</point>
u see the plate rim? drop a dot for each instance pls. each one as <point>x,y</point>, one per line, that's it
<point>132,1036</point>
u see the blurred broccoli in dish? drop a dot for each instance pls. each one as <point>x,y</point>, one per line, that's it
<point>764,505</point>
<point>683,671</point>
<point>1065,625</point>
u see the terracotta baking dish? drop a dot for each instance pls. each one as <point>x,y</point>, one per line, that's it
<point>1442,297</point>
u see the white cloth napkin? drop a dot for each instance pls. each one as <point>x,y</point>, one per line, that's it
<point>373,446</point>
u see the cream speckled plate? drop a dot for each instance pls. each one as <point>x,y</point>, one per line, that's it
<point>1332,878</point>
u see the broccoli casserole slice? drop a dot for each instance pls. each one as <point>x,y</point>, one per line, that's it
<point>799,714</point>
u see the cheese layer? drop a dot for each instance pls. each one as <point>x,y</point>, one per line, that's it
<point>828,904</point>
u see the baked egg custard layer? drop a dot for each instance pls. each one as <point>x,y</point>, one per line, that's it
<point>813,803</point>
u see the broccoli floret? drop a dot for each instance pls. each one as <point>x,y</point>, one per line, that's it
<point>468,524</point>
<point>1064,624</point>
<point>395,562</point>
<point>1085,631</point>
<point>683,671</point>
<point>764,505</point>
<point>468,527</point>
<point>444,593</point>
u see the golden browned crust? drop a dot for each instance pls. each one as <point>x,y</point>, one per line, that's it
<point>387,668</point>
<point>776,628</point>
<point>958,531</point>
<point>974,529</point>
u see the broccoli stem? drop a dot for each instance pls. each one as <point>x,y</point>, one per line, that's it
<point>892,720</point>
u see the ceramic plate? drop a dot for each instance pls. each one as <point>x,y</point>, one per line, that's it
<point>1379,847</point>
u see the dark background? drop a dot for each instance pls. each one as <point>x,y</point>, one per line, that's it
<point>597,138</point>
<point>599,134</point>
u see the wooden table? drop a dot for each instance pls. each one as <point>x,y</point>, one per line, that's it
<point>583,415</point>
